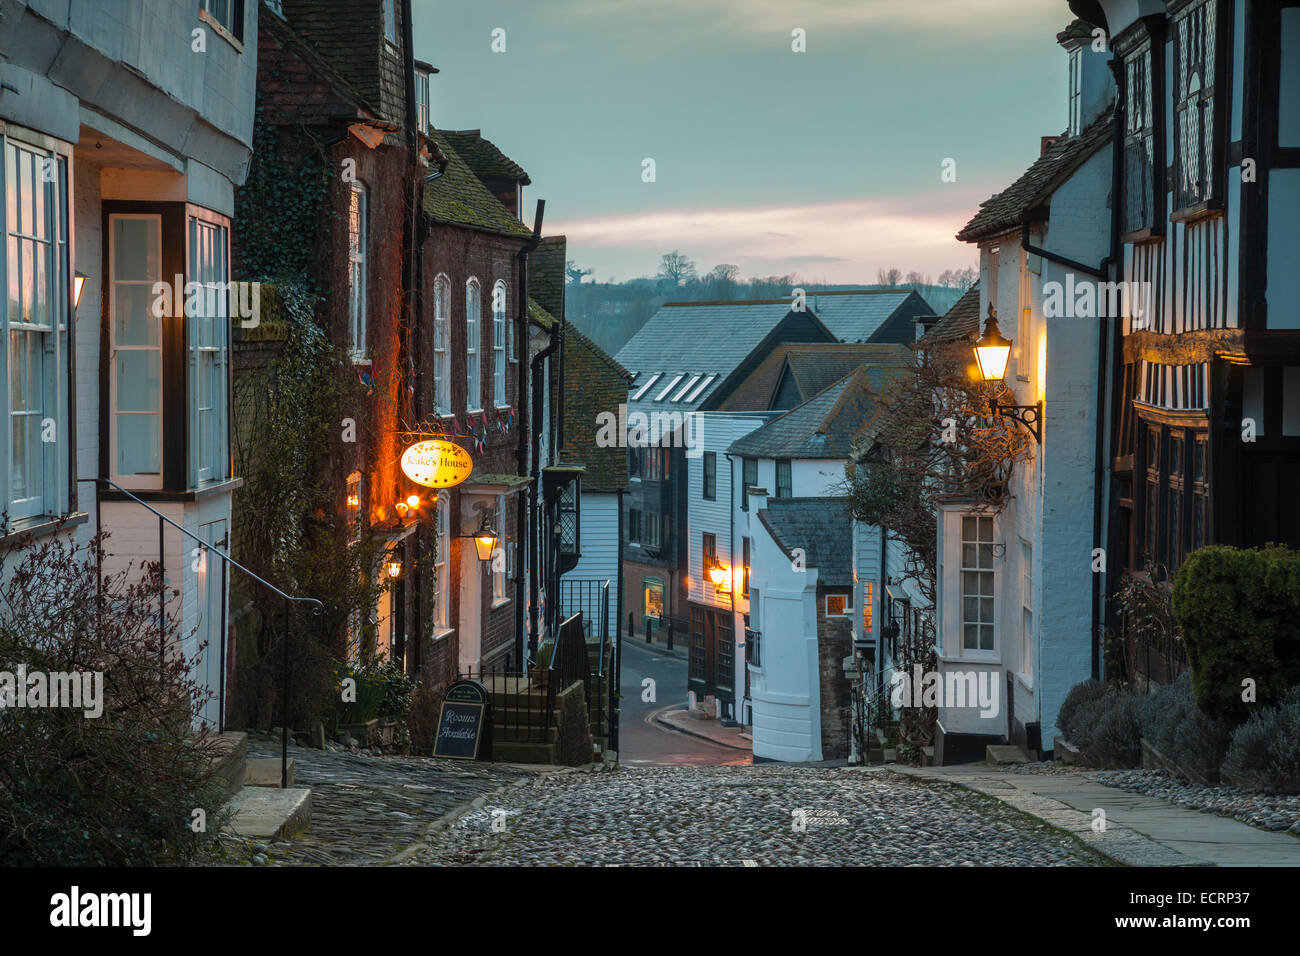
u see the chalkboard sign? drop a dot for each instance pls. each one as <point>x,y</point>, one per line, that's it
<point>461,721</point>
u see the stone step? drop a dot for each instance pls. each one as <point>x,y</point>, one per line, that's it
<point>267,812</point>
<point>229,758</point>
<point>523,732</point>
<point>1000,755</point>
<point>265,772</point>
<point>518,751</point>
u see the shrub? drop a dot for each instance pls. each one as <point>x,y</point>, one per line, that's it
<point>1240,617</point>
<point>1265,750</point>
<point>1102,721</point>
<point>121,788</point>
<point>1174,725</point>
<point>1085,692</point>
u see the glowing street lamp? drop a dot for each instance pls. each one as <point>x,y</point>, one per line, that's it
<point>719,575</point>
<point>485,539</point>
<point>992,350</point>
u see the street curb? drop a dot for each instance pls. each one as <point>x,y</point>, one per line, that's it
<point>691,733</point>
<point>455,813</point>
<point>1119,843</point>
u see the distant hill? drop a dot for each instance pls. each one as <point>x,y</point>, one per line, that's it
<point>612,312</point>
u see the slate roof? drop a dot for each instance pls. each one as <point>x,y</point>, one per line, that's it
<point>826,425</point>
<point>819,526</point>
<point>546,274</point>
<point>854,315</point>
<point>1003,211</point>
<point>338,30</point>
<point>459,198</point>
<point>483,156</point>
<point>961,321</point>
<point>699,338</point>
<point>307,101</point>
<point>540,315</point>
<point>815,366</point>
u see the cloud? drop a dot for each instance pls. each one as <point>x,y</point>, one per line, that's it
<point>853,237</point>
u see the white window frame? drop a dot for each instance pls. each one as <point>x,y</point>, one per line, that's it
<point>358,241</point>
<point>442,344</point>
<point>441,565</point>
<point>1026,611</point>
<point>499,337</point>
<point>49,202</point>
<point>146,481</point>
<point>208,356</point>
<point>973,562</point>
<point>500,593</point>
<point>473,345</point>
<point>1075,93</point>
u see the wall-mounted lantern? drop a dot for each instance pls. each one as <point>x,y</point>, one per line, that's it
<point>394,567</point>
<point>78,280</point>
<point>485,539</point>
<point>720,575</point>
<point>991,353</point>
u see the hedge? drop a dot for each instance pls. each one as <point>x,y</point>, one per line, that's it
<point>1239,611</point>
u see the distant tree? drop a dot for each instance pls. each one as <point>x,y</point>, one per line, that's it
<point>889,277</point>
<point>915,278</point>
<point>721,281</point>
<point>963,279</point>
<point>724,272</point>
<point>574,273</point>
<point>676,269</point>
<point>947,280</point>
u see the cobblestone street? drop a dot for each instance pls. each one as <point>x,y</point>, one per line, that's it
<point>700,816</point>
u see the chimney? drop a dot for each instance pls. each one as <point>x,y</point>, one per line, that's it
<point>1092,87</point>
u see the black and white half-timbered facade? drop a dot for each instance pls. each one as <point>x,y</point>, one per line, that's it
<point>1204,385</point>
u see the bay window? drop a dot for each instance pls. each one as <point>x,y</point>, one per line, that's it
<point>135,346</point>
<point>1194,89</point>
<point>1141,171</point>
<point>473,313</point>
<point>35,317</point>
<point>207,328</point>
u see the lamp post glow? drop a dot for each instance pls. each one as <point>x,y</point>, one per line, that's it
<point>78,281</point>
<point>992,350</point>
<point>485,540</point>
<point>719,574</point>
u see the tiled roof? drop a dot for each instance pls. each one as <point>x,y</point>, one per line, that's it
<point>546,274</point>
<point>281,84</point>
<point>540,315</point>
<point>339,32</point>
<point>855,315</point>
<point>1003,211</point>
<point>814,367</point>
<point>826,425</point>
<point>818,526</point>
<point>482,156</point>
<point>961,321</point>
<point>593,383</point>
<point>457,197</point>
<point>690,339</point>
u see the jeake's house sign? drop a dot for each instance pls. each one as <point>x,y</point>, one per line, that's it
<point>436,463</point>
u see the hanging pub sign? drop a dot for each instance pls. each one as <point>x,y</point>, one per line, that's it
<point>436,463</point>
<point>463,730</point>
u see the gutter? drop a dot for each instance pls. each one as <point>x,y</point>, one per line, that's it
<point>1039,214</point>
<point>527,505</point>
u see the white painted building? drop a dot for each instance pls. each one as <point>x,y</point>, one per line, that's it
<point>120,160</point>
<point>1015,582</point>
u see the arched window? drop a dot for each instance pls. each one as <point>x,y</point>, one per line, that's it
<point>473,343</point>
<point>441,344</point>
<point>499,344</point>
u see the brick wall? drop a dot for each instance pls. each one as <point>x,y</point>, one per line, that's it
<point>834,643</point>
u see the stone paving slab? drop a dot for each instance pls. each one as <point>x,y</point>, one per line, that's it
<point>366,809</point>
<point>689,723</point>
<point>1140,830</point>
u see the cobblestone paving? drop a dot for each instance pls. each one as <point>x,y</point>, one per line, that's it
<point>366,808</point>
<point>701,816</point>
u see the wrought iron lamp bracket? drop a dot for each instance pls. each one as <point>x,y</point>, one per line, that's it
<point>1031,416</point>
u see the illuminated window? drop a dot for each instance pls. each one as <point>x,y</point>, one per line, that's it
<point>977,582</point>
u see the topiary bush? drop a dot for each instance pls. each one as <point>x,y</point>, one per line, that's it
<point>1102,720</point>
<point>1174,725</point>
<point>1265,750</point>
<point>1239,611</point>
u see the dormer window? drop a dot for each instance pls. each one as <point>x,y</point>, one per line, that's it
<point>422,100</point>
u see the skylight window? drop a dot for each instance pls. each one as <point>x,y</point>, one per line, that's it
<point>699,389</point>
<point>646,387</point>
<point>685,388</point>
<point>671,385</point>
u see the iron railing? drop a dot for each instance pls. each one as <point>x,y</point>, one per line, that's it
<point>227,560</point>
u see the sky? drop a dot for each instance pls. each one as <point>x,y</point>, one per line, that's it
<point>825,163</point>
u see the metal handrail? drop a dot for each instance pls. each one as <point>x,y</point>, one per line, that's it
<point>317,608</point>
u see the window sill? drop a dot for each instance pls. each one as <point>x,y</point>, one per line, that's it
<point>359,359</point>
<point>189,494</point>
<point>1202,210</point>
<point>974,657</point>
<point>27,529</point>
<point>440,632</point>
<point>500,602</point>
<point>1026,681</point>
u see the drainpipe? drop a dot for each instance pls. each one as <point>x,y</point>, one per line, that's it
<point>1108,352</point>
<point>527,508</point>
<point>1039,215</point>
<point>411,278</point>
